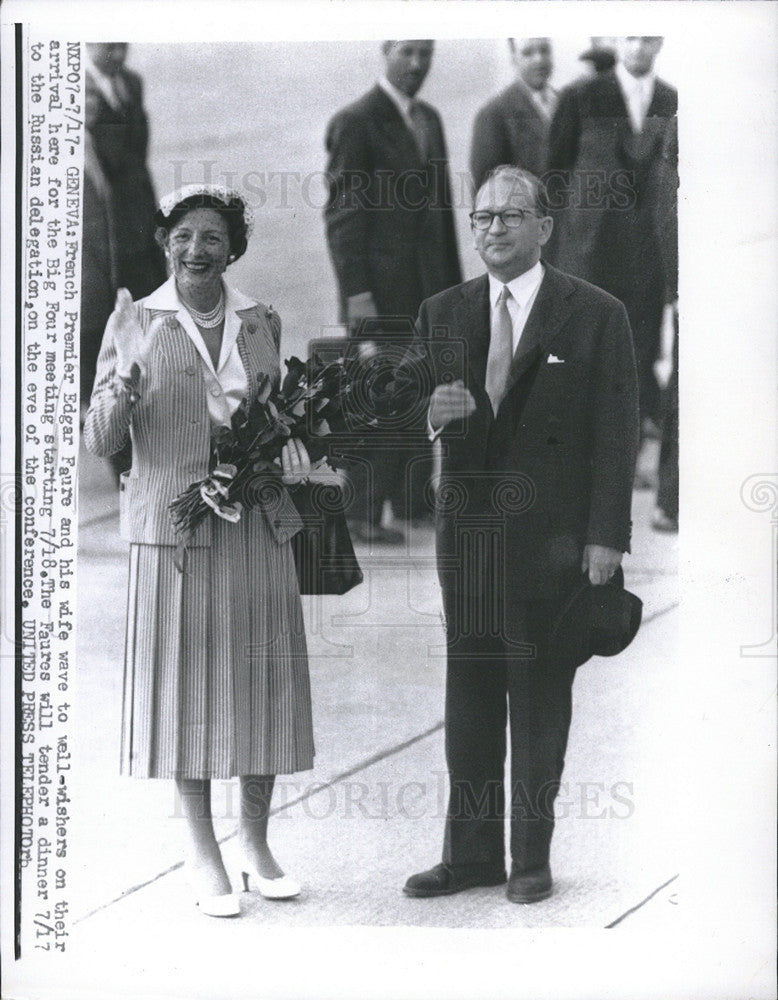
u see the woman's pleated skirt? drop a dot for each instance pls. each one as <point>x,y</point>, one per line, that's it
<point>216,671</point>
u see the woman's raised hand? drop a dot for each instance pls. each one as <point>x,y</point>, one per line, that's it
<point>295,462</point>
<point>132,347</point>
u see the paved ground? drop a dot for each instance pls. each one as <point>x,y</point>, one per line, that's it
<point>370,813</point>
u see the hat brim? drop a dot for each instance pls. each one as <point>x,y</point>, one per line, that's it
<point>595,621</point>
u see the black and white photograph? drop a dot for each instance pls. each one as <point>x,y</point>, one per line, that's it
<point>389,500</point>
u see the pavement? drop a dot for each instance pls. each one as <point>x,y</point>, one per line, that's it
<point>371,811</point>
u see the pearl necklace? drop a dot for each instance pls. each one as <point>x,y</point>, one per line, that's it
<point>209,319</point>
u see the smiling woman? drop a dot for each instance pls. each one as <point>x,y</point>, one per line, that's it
<point>216,673</point>
<point>200,239</point>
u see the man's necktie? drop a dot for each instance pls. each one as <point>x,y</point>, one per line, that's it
<point>419,124</point>
<point>500,356</point>
<point>543,101</point>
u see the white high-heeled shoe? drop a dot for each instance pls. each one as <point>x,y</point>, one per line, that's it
<point>227,905</point>
<point>283,887</point>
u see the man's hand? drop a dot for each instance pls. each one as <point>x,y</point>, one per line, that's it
<point>663,366</point>
<point>600,562</point>
<point>663,369</point>
<point>132,347</point>
<point>359,307</point>
<point>295,462</point>
<point>450,402</point>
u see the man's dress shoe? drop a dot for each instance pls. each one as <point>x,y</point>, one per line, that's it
<point>445,880</point>
<point>530,887</point>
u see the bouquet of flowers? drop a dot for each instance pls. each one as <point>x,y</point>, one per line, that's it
<point>315,400</point>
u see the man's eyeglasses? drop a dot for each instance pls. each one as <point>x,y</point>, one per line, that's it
<point>511,219</point>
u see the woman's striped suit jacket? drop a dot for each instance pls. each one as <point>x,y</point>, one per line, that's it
<point>170,424</point>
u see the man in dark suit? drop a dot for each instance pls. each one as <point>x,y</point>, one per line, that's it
<point>390,230</point>
<point>604,152</point>
<point>120,136</point>
<point>121,208</point>
<point>539,428</point>
<point>513,126</point>
<point>98,255</point>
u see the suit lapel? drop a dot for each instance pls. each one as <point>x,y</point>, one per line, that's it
<point>547,316</point>
<point>662,103</point>
<point>389,121</point>
<point>614,103</point>
<point>256,347</point>
<point>528,110</point>
<point>243,351</point>
<point>471,320</point>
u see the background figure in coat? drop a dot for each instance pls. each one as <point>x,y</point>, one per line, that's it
<point>539,432</point>
<point>390,232</point>
<point>604,149</point>
<point>513,126</point>
<point>119,137</point>
<point>99,266</point>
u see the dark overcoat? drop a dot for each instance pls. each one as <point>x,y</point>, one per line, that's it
<point>603,181</point>
<point>390,227</point>
<point>121,136</point>
<point>607,229</point>
<point>509,129</point>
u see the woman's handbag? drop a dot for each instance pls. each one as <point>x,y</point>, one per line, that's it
<point>323,553</point>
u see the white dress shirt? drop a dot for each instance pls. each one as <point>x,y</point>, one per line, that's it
<point>638,93</point>
<point>226,384</point>
<point>524,291</point>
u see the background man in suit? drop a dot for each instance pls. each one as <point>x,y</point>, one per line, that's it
<point>117,148</point>
<point>120,136</point>
<point>99,252</point>
<point>539,435</point>
<point>513,126</point>
<point>390,231</point>
<point>605,148</point>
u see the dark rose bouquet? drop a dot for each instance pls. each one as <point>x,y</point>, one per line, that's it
<point>314,401</point>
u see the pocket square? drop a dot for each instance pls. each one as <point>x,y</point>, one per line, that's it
<point>554,360</point>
